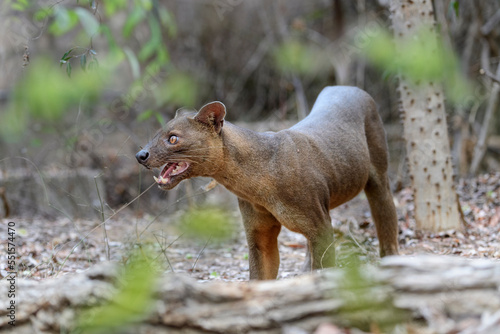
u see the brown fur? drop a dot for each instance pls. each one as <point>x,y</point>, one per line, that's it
<point>290,178</point>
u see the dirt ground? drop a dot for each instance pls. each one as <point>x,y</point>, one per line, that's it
<point>47,248</point>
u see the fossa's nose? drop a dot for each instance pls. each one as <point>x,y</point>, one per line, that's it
<point>142,156</point>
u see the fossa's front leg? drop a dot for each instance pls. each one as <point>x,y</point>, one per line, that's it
<point>262,231</point>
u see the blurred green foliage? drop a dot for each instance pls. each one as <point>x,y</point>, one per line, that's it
<point>130,304</point>
<point>147,114</point>
<point>367,303</point>
<point>207,222</point>
<point>178,89</point>
<point>418,59</point>
<point>152,53</point>
<point>64,21</point>
<point>45,94</point>
<point>297,57</point>
<point>19,5</point>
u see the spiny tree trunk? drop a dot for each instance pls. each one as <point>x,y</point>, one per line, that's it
<point>425,130</point>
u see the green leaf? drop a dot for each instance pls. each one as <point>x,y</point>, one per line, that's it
<point>160,118</point>
<point>162,56</point>
<point>93,64</point>
<point>455,6</point>
<point>168,21</point>
<point>132,21</point>
<point>20,5</point>
<point>145,115</point>
<point>154,43</point>
<point>43,14</point>
<point>134,63</point>
<point>88,21</point>
<point>68,68</point>
<point>148,50</point>
<point>114,48</point>
<point>66,56</point>
<point>111,7</point>
<point>130,304</point>
<point>83,62</point>
<point>146,4</point>
<point>64,21</point>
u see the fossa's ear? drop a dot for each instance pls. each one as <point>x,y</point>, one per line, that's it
<point>212,114</point>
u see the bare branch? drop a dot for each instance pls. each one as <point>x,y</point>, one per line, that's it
<point>480,148</point>
<point>491,24</point>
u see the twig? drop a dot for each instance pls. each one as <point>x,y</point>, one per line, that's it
<point>485,56</point>
<point>106,241</point>
<point>480,147</point>
<point>323,255</point>
<point>199,254</point>
<point>493,77</point>
<point>353,238</point>
<point>491,24</point>
<point>95,228</point>
<point>470,41</point>
<point>164,250</point>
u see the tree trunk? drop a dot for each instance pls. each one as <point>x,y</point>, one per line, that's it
<point>442,294</point>
<point>425,129</point>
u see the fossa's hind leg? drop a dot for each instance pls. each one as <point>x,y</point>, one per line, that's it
<point>377,188</point>
<point>384,213</point>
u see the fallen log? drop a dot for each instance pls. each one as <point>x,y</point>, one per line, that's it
<point>428,294</point>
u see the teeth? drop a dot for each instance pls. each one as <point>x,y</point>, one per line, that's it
<point>161,180</point>
<point>164,180</point>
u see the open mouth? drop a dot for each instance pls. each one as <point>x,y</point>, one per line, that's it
<point>169,170</point>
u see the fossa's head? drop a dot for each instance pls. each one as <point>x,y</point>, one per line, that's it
<point>189,145</point>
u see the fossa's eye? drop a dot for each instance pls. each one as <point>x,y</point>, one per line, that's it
<point>173,139</point>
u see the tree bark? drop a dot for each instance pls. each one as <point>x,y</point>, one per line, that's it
<point>441,294</point>
<point>425,129</point>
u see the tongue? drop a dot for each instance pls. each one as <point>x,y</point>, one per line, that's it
<point>169,170</point>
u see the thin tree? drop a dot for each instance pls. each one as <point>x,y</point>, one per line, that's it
<point>424,118</point>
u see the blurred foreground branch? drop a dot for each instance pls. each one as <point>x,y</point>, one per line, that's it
<point>442,294</point>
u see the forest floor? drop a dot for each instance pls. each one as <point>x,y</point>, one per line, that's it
<point>47,248</point>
